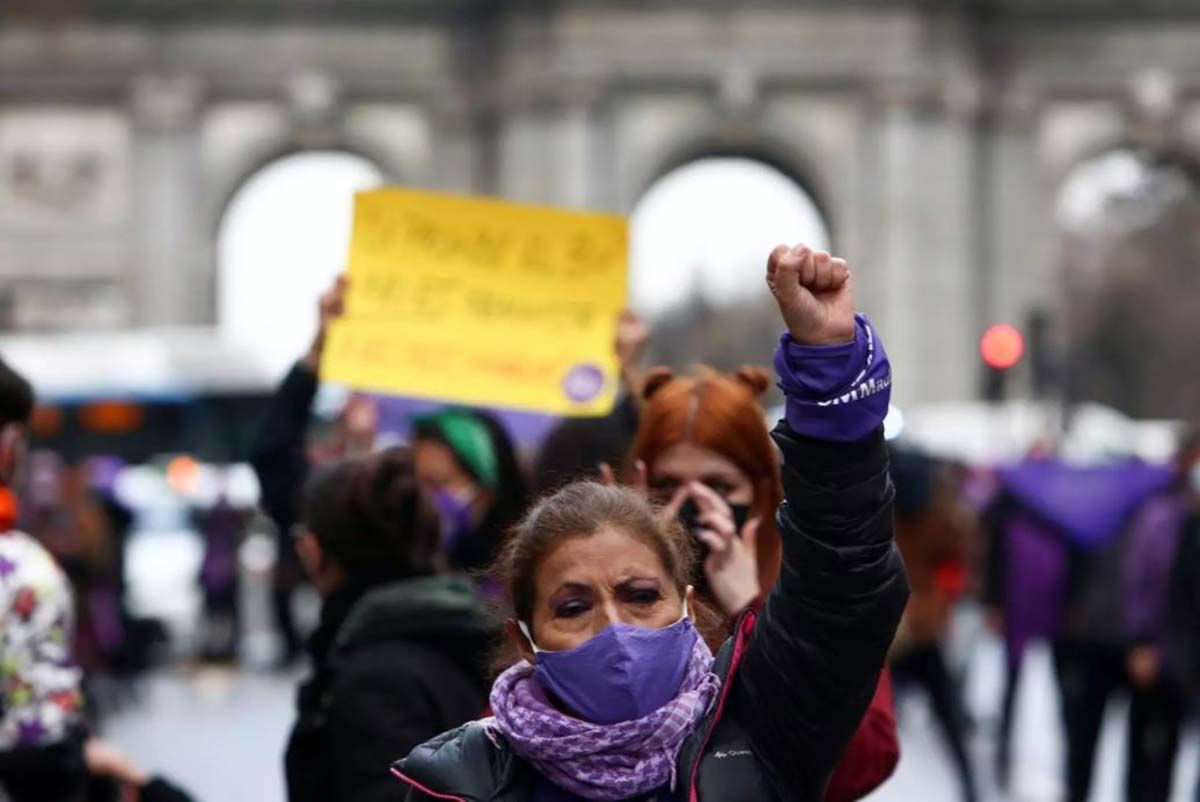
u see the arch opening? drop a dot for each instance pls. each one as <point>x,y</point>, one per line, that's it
<point>282,239</point>
<point>699,238</point>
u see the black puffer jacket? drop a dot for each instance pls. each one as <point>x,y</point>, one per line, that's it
<point>796,682</point>
<point>395,664</point>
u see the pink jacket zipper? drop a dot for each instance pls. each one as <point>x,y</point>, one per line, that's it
<point>739,647</point>
<point>422,788</point>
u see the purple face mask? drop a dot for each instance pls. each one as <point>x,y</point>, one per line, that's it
<point>623,673</point>
<point>455,515</point>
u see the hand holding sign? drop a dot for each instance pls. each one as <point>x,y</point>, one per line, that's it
<point>330,307</point>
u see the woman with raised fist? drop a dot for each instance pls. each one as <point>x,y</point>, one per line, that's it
<point>616,695</point>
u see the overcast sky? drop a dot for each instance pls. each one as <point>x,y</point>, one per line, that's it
<point>283,239</point>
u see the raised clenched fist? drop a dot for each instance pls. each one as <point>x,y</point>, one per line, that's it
<point>814,293</point>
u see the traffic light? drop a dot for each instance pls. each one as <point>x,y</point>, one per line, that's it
<point>1001,348</point>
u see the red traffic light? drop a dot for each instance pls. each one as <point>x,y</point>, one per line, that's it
<point>1001,346</point>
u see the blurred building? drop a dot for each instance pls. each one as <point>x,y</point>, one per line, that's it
<point>935,137</point>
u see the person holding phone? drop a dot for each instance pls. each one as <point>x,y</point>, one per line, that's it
<point>703,452</point>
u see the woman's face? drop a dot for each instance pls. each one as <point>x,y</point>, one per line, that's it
<point>437,470</point>
<point>586,583</point>
<point>686,462</point>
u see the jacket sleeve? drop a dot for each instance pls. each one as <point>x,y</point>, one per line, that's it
<point>995,568</point>
<point>1154,535</point>
<point>162,790</point>
<point>41,701</point>
<point>813,661</point>
<point>873,753</point>
<point>278,454</point>
<point>1183,611</point>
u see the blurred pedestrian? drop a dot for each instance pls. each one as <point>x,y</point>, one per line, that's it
<point>467,467</point>
<point>282,458</point>
<point>702,450</point>
<point>400,653</point>
<point>223,527</point>
<point>1182,656</point>
<point>1155,660</point>
<point>933,532</point>
<point>577,447</point>
<point>1064,566</point>
<point>617,696</point>
<point>46,753</point>
<point>41,706</point>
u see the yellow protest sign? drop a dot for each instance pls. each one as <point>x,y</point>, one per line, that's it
<point>480,301</point>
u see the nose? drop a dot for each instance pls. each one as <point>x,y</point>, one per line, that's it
<point>609,612</point>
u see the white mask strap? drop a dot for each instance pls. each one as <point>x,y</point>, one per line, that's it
<point>525,631</point>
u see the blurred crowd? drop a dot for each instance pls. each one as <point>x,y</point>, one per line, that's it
<point>1101,561</point>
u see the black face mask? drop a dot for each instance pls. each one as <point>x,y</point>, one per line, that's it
<point>689,517</point>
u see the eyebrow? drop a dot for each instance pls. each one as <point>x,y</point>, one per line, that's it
<point>565,588</point>
<point>720,476</point>
<point>625,580</point>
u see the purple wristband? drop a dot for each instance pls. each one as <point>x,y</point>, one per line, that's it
<point>835,392</point>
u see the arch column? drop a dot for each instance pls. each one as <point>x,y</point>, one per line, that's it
<point>169,277</point>
<point>927,245</point>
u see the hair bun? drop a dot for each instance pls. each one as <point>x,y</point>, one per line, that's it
<point>656,379</point>
<point>755,378</point>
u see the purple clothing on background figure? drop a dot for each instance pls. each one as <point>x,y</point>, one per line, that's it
<point>1058,509</point>
<point>222,528</point>
<point>1036,584</point>
<point>1087,504</point>
<point>1149,562</point>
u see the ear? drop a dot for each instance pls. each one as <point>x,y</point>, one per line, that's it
<point>656,379</point>
<point>517,638</point>
<point>756,379</point>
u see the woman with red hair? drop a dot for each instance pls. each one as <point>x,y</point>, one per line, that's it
<point>702,449</point>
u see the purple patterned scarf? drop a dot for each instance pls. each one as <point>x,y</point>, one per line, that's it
<point>601,761</point>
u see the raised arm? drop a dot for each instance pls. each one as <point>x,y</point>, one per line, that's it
<point>814,659</point>
<point>278,454</point>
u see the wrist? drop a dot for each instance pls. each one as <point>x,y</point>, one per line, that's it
<point>820,339</point>
<point>312,359</point>
<point>631,381</point>
<point>835,392</point>
<point>738,600</point>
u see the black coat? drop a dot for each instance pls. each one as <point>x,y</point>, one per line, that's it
<point>395,664</point>
<point>795,683</point>
<point>55,771</point>
<point>1184,607</point>
<point>277,453</point>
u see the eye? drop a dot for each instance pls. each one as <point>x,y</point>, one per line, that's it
<point>571,609</point>
<point>643,595</point>
<point>721,487</point>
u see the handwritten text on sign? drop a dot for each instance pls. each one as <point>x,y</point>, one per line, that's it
<point>479,301</point>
